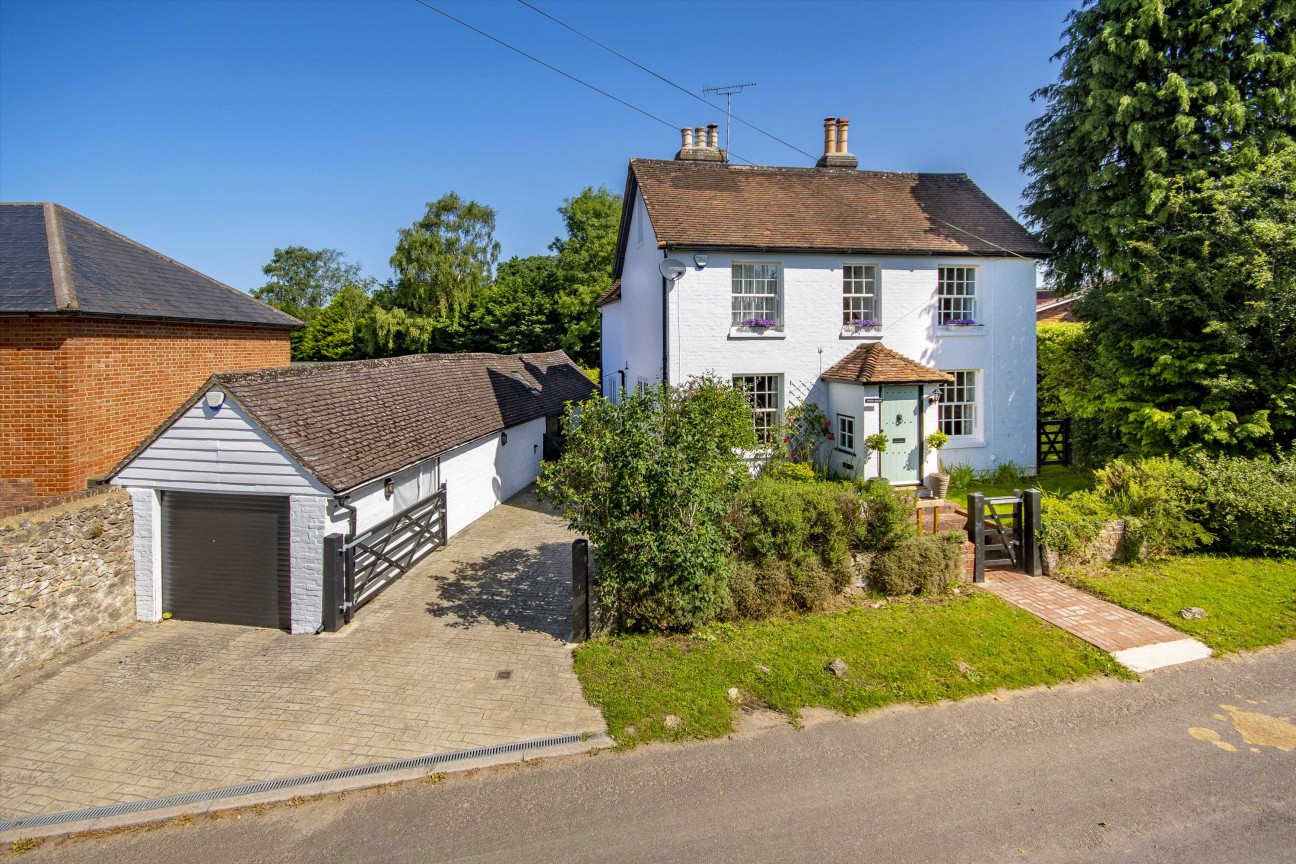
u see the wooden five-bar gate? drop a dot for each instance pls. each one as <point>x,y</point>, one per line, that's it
<point>359,567</point>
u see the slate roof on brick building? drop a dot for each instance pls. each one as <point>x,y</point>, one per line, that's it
<point>700,205</point>
<point>54,261</point>
<point>351,422</point>
<point>874,363</point>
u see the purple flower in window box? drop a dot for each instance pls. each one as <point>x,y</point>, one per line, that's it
<point>864,324</point>
<point>757,323</point>
<point>961,322</point>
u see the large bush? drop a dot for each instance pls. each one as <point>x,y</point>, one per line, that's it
<point>1070,524</point>
<point>1249,504</point>
<point>926,564</point>
<point>794,545</point>
<point>652,482</point>
<point>1155,497</point>
<point>887,515</point>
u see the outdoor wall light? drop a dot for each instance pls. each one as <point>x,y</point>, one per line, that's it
<point>503,438</point>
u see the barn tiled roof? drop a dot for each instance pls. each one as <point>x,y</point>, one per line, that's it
<point>611,295</point>
<point>874,363</point>
<point>746,207</point>
<point>54,261</point>
<point>352,422</point>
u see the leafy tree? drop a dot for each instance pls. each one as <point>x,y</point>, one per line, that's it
<point>517,314</point>
<point>1152,95</point>
<point>585,259</point>
<point>652,482</point>
<point>445,257</point>
<point>332,333</point>
<point>1162,175</point>
<point>302,281</point>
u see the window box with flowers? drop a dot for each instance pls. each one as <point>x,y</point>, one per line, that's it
<point>862,328</point>
<point>757,327</point>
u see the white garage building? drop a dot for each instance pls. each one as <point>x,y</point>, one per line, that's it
<point>235,493</point>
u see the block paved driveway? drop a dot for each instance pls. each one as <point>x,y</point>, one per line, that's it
<point>163,709</point>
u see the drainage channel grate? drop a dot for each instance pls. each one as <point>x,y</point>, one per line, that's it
<point>289,782</point>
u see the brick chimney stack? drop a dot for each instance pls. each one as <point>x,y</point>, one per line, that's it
<point>701,144</point>
<point>836,154</point>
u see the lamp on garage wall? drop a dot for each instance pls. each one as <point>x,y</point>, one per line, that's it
<point>503,438</point>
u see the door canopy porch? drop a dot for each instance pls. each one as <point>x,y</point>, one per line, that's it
<point>874,363</point>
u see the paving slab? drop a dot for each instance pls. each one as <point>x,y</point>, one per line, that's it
<point>181,706</point>
<point>1136,641</point>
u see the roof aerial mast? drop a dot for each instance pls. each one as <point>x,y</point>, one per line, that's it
<point>728,91</point>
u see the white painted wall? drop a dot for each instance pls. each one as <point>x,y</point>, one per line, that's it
<point>147,511</point>
<point>219,450</point>
<point>849,399</point>
<point>640,316</point>
<point>701,341</point>
<point>612,352</point>
<point>308,523</point>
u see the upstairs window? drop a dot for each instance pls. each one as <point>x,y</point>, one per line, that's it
<point>958,405</point>
<point>764,392</point>
<point>846,433</point>
<point>859,295</point>
<point>755,298</point>
<point>956,288</point>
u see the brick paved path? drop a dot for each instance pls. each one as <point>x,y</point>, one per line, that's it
<point>1126,635</point>
<point>183,706</point>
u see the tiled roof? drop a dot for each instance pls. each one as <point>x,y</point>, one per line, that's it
<point>741,207</point>
<point>351,422</point>
<point>611,295</point>
<point>54,261</point>
<point>874,363</point>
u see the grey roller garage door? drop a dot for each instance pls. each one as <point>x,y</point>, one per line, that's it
<point>225,558</point>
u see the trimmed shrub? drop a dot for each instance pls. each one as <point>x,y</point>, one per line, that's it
<point>794,471</point>
<point>1155,497</point>
<point>887,515</point>
<point>1250,504</point>
<point>925,564</point>
<point>1071,524</point>
<point>794,547</point>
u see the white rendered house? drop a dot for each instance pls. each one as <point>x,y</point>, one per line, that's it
<point>900,303</point>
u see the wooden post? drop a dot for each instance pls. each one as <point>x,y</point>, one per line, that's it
<point>1030,531</point>
<point>976,533</point>
<point>580,590</point>
<point>334,587</point>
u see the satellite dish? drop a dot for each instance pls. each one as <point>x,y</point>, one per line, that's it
<point>673,269</point>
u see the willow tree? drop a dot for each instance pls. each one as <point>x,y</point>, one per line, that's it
<point>445,257</point>
<point>1161,176</point>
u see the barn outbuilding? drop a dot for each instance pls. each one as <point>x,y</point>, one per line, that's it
<point>235,494</point>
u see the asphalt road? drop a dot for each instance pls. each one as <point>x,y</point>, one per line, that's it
<point>1102,771</point>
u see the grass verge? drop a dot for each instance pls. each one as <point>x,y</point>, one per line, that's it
<point>1248,602</point>
<point>906,651</point>
<point>1053,479</point>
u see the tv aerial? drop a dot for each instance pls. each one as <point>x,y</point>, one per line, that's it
<point>673,269</point>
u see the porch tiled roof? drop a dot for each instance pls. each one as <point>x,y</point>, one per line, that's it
<point>874,363</point>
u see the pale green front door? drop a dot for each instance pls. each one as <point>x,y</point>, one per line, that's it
<point>901,424</point>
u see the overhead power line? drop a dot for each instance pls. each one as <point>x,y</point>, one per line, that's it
<point>649,114</point>
<point>664,79</point>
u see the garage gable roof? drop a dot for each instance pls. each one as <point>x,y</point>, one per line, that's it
<point>54,261</point>
<point>348,423</point>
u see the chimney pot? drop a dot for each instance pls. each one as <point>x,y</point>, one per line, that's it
<point>836,152</point>
<point>713,136</point>
<point>686,138</point>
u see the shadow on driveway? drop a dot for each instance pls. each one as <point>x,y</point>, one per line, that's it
<point>528,589</point>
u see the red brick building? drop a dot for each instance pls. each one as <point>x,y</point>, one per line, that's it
<point>101,339</point>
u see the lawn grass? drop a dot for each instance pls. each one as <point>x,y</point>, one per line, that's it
<point>905,651</point>
<point>1249,602</point>
<point>1054,479</point>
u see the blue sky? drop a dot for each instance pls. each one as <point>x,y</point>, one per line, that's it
<point>216,131</point>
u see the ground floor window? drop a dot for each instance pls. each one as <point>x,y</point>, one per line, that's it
<point>846,433</point>
<point>764,392</point>
<point>958,404</point>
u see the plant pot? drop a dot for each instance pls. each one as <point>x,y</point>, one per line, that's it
<point>938,484</point>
